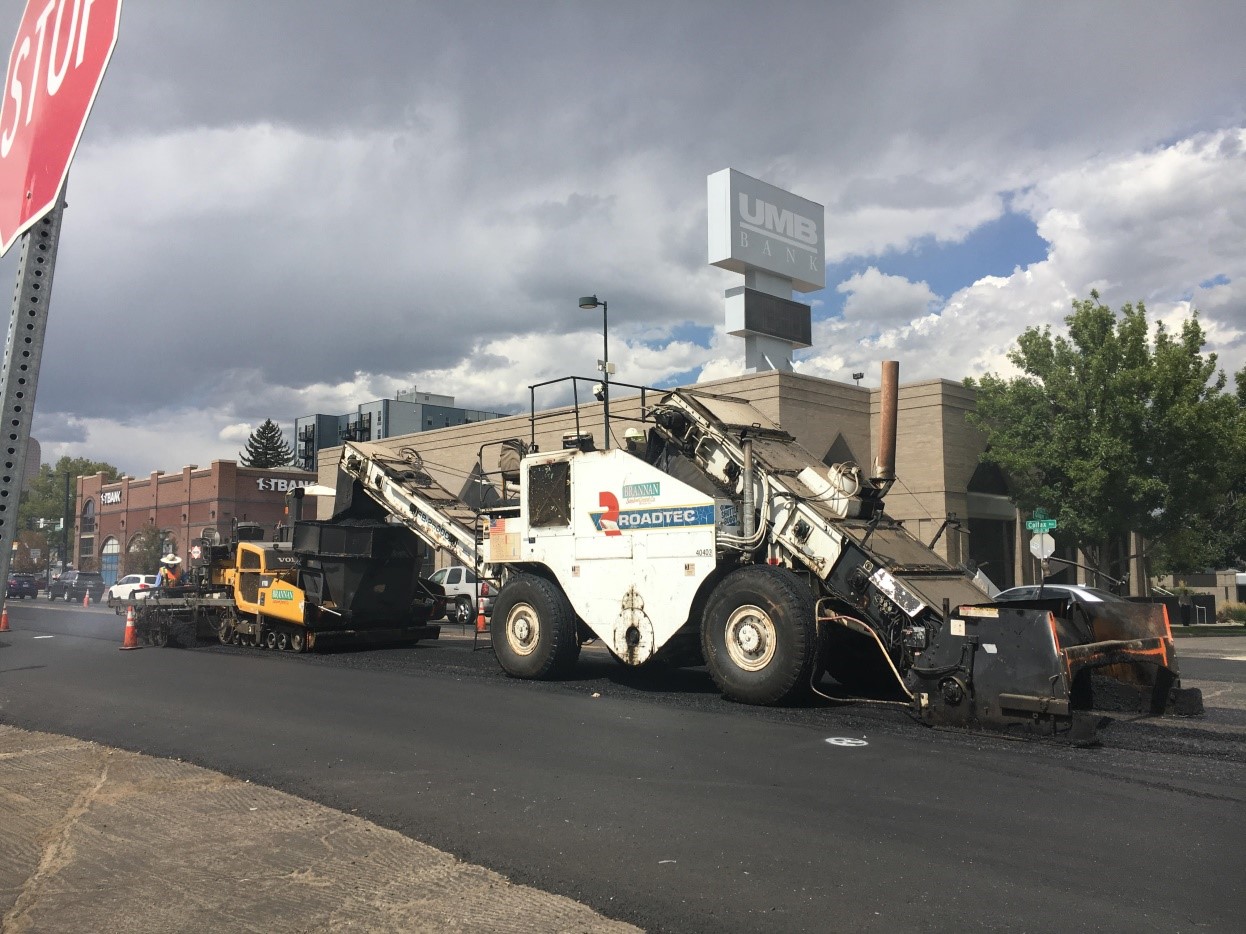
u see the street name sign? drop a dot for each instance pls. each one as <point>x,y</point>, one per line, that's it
<point>55,69</point>
<point>1040,525</point>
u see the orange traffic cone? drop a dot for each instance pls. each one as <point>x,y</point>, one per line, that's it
<point>86,599</point>
<point>4,620</point>
<point>481,624</point>
<point>131,634</point>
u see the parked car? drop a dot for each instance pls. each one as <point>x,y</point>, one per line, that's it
<point>72,586</point>
<point>460,587</point>
<point>1078,593</point>
<point>23,586</point>
<point>129,586</point>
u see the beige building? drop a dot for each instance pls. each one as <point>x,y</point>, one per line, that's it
<point>937,465</point>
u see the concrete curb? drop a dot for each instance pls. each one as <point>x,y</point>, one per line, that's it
<point>97,839</point>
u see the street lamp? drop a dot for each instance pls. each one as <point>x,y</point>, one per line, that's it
<point>586,302</point>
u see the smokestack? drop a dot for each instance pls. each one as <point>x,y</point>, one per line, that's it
<point>885,462</point>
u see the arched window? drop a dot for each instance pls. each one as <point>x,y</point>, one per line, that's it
<point>110,560</point>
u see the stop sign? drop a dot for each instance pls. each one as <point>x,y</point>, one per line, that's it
<point>58,60</point>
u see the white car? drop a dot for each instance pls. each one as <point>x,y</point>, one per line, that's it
<point>1078,593</point>
<point>128,587</point>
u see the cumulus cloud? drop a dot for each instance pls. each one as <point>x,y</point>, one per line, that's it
<point>1162,226</point>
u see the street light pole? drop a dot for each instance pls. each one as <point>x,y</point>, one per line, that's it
<point>590,301</point>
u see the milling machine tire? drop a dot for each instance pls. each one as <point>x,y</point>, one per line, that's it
<point>533,629</point>
<point>759,636</point>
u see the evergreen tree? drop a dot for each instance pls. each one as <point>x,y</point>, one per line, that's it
<point>267,447</point>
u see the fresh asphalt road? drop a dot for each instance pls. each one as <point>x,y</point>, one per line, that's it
<point>654,801</point>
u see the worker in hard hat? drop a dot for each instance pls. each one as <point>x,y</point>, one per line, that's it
<point>170,574</point>
<point>636,442</point>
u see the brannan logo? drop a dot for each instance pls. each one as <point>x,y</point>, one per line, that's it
<point>641,490</point>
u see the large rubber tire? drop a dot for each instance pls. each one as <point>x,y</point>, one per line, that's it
<point>533,629</point>
<point>759,636</point>
<point>463,610</point>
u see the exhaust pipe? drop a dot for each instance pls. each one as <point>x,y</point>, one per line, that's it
<point>885,462</point>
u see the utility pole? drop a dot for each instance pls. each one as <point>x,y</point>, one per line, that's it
<point>65,524</point>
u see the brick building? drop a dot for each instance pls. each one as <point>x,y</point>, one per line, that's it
<point>184,505</point>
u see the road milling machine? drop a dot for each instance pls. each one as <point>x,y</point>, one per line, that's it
<point>718,539</point>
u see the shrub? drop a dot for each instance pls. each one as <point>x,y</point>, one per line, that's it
<point>1232,613</point>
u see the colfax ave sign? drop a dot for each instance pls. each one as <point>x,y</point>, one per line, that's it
<point>58,60</point>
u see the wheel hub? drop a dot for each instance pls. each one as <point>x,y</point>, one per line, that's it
<point>750,638</point>
<point>522,630</point>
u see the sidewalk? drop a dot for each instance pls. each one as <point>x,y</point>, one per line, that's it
<point>97,839</point>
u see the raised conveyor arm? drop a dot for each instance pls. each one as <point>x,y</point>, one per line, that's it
<point>409,494</point>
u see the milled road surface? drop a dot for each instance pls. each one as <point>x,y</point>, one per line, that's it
<point>654,801</point>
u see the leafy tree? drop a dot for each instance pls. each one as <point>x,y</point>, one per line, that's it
<point>146,550</point>
<point>1221,531</point>
<point>267,447</point>
<point>1114,432</point>
<point>45,499</point>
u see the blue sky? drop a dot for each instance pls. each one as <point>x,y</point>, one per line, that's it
<point>996,248</point>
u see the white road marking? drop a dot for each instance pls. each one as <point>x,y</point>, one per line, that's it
<point>43,637</point>
<point>846,741</point>
<point>1235,658</point>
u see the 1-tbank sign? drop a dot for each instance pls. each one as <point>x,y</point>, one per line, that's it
<point>280,484</point>
<point>754,225</point>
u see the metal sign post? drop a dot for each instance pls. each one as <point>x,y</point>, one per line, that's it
<point>19,372</point>
<point>55,69</point>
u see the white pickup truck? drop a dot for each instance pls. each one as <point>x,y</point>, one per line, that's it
<point>460,586</point>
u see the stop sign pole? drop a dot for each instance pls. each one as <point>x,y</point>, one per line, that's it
<point>55,69</point>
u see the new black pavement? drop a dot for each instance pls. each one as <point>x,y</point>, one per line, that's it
<point>656,802</point>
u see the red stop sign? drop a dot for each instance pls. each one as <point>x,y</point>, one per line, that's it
<point>58,60</point>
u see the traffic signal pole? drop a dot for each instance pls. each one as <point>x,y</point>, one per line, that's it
<point>19,372</point>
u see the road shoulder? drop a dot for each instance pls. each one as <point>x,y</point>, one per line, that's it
<point>101,839</point>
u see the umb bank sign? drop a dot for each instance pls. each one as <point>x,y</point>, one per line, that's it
<point>778,241</point>
<point>754,225</point>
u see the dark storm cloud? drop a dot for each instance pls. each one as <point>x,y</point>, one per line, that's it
<point>277,196</point>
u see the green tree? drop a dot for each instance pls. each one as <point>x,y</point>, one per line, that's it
<point>1114,431</point>
<point>45,498</point>
<point>145,552</point>
<point>267,447</point>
